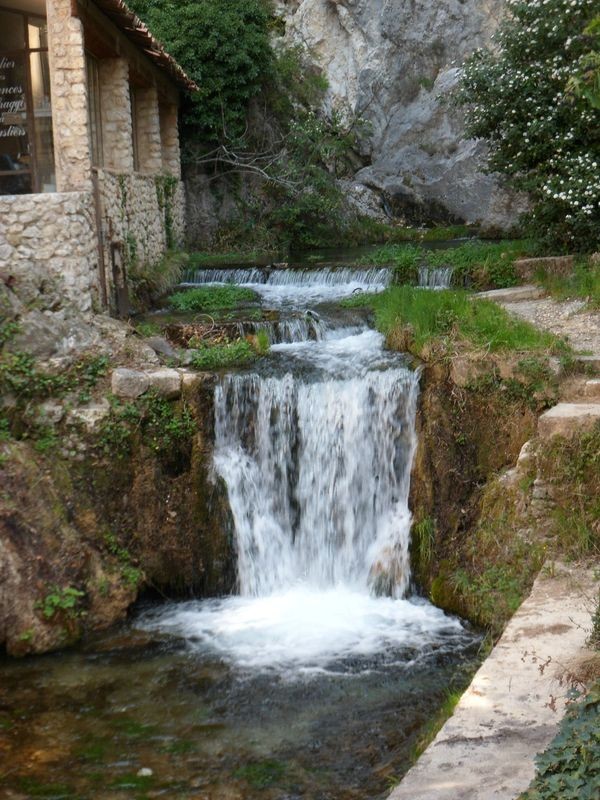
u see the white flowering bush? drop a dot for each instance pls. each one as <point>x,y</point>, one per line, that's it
<point>542,135</point>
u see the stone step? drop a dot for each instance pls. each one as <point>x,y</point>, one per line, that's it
<point>591,363</point>
<point>565,419</point>
<point>517,294</point>
<point>592,390</point>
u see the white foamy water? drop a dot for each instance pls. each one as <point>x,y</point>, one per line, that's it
<point>317,465</point>
<point>302,629</point>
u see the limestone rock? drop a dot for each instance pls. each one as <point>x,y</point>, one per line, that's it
<point>90,416</point>
<point>161,346</point>
<point>516,294</point>
<point>166,383</point>
<point>51,412</point>
<point>389,64</point>
<point>129,383</point>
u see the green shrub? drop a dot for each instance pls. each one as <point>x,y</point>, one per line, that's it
<point>66,600</point>
<point>543,137</point>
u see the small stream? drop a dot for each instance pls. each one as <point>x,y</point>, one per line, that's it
<point>316,678</point>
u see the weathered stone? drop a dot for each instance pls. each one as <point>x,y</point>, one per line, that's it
<point>565,419</point>
<point>592,389</point>
<point>161,346</point>
<point>166,383</point>
<point>129,383</point>
<point>51,412</point>
<point>558,266</point>
<point>589,362</point>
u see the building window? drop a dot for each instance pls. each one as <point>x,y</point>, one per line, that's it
<point>26,142</point>
<point>94,111</point>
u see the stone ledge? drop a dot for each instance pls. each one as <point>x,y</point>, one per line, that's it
<point>565,419</point>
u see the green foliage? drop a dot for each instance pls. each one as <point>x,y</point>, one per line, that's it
<point>165,430</point>
<point>19,375</point>
<point>541,135</point>
<point>160,424</point>
<point>235,354</point>
<point>263,344</point>
<point>570,768</point>
<point>225,49</point>
<point>594,639</point>
<point>65,600</point>
<point>433,315</point>
<point>211,298</point>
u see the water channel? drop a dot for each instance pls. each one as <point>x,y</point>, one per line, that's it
<point>314,680</point>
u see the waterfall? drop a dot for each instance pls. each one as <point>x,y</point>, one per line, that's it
<point>435,277</point>
<point>318,478</point>
<point>328,276</point>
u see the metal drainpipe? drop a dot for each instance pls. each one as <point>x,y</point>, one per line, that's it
<point>100,235</point>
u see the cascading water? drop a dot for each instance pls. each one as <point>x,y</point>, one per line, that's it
<point>315,447</point>
<point>435,277</point>
<point>318,477</point>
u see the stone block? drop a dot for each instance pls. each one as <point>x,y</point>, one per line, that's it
<point>566,419</point>
<point>166,383</point>
<point>592,390</point>
<point>129,383</point>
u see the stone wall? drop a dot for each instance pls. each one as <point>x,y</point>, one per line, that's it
<point>49,249</point>
<point>144,214</point>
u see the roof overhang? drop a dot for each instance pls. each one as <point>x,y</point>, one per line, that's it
<point>137,32</point>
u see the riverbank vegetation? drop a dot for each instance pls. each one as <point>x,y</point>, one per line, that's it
<point>582,283</point>
<point>413,318</point>
<point>476,264</point>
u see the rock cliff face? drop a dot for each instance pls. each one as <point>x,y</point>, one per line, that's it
<point>392,62</point>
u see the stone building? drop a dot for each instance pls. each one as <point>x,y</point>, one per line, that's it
<point>90,174</point>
